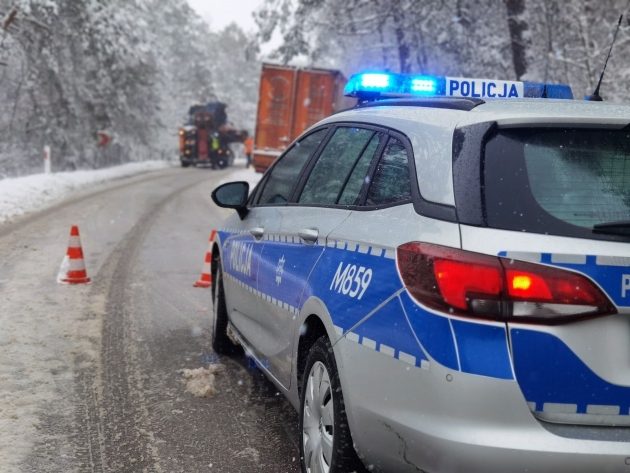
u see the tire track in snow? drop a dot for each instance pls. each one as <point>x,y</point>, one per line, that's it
<point>115,416</point>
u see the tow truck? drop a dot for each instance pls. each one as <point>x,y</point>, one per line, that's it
<point>206,136</point>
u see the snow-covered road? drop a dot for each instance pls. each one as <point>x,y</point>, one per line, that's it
<point>90,376</point>
<point>24,195</point>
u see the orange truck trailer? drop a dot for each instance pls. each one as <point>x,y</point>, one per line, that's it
<point>290,100</point>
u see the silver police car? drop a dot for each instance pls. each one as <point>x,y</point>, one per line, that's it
<point>439,279</point>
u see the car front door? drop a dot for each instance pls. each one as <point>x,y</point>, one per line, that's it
<point>260,227</point>
<point>296,234</point>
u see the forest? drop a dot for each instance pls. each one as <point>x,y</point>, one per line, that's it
<point>71,70</point>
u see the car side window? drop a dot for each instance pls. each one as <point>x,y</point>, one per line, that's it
<point>336,162</point>
<point>255,194</point>
<point>358,177</point>
<point>286,171</point>
<point>391,182</point>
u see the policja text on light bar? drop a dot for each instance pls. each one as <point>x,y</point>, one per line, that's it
<point>482,88</point>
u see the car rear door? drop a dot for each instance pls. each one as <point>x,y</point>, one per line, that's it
<point>357,278</point>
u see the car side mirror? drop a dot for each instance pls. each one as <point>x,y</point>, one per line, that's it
<point>232,195</point>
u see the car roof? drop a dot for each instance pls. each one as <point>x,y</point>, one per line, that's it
<point>510,110</point>
<point>552,110</point>
<point>430,128</point>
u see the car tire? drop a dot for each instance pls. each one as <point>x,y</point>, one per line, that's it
<point>185,165</point>
<point>221,343</point>
<point>222,162</point>
<point>325,444</point>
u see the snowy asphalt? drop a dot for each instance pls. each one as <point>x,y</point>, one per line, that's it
<point>89,375</point>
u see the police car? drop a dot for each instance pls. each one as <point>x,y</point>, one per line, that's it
<point>439,279</point>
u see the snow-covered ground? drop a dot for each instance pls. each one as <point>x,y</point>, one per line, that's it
<point>248,175</point>
<point>51,332</point>
<point>21,195</point>
<point>200,382</point>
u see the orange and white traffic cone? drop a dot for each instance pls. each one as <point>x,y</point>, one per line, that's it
<point>72,269</point>
<point>205,280</point>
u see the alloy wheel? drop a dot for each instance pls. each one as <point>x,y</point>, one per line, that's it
<point>318,421</point>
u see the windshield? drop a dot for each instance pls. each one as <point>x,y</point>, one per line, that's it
<point>557,181</point>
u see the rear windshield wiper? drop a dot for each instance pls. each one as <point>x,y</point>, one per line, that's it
<point>620,227</point>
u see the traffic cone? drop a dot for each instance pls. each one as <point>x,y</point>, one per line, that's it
<point>205,280</point>
<point>72,269</point>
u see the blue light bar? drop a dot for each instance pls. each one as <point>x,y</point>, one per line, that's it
<point>374,85</point>
<point>371,84</point>
<point>376,81</point>
<point>423,85</point>
<point>549,91</point>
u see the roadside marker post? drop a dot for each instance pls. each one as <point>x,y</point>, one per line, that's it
<point>47,165</point>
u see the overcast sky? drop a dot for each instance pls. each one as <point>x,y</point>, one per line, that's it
<point>220,13</point>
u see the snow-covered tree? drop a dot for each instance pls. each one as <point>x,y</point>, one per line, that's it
<point>237,75</point>
<point>71,69</point>
<point>552,40</point>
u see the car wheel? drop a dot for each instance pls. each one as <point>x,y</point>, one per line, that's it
<point>222,162</point>
<point>185,165</point>
<point>326,444</point>
<point>221,343</point>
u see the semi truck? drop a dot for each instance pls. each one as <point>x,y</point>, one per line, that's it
<point>206,136</point>
<point>290,100</point>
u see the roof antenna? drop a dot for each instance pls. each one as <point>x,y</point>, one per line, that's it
<point>596,97</point>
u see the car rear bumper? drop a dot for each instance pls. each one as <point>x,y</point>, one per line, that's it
<point>437,420</point>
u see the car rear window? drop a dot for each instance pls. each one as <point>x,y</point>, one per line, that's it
<point>556,180</point>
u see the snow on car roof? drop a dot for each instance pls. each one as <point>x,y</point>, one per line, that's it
<point>549,110</point>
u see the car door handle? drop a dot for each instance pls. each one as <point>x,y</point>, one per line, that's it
<point>257,232</point>
<point>309,235</point>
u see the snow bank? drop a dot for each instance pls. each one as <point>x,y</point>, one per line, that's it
<point>248,175</point>
<point>21,195</point>
<point>200,381</point>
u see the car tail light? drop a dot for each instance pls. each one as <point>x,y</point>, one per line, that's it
<point>476,285</point>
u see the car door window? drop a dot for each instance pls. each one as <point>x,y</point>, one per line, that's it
<point>335,163</point>
<point>286,171</point>
<point>255,194</point>
<point>357,179</point>
<point>391,181</point>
